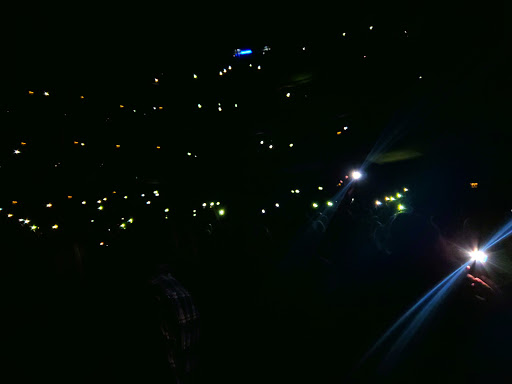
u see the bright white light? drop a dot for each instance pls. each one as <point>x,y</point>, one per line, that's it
<point>199,106</point>
<point>320,188</point>
<point>224,70</point>
<point>405,189</point>
<point>236,105</point>
<point>143,195</point>
<point>220,109</point>
<point>49,205</point>
<point>195,76</point>
<point>478,256</point>
<point>229,67</point>
<point>262,211</point>
<point>126,197</point>
<point>303,48</point>
<point>315,205</point>
<point>344,34</point>
<point>259,66</point>
<point>105,199</point>
<point>356,175</point>
<point>293,191</point>
<point>204,204</point>
<point>297,191</point>
<point>220,73</point>
<point>17,151</point>
<point>421,77</point>
<point>345,128</point>
<point>288,94</point>
<point>83,202</point>
<point>271,146</point>
<point>291,145</point>
<point>261,142</point>
<point>329,203</point>
<point>371,27</point>
<point>378,202</point>
<point>250,65</point>
<point>148,202</point>
<point>55,226</point>
<point>277,205</point>
<point>167,210</point>
<point>188,153</point>
<point>99,201</point>
<point>46,94</point>
<point>218,202</point>
<point>100,207</point>
<point>221,212</point>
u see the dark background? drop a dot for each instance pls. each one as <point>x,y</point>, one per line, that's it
<point>271,309</point>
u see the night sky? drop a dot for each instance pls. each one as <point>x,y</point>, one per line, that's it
<point>414,96</point>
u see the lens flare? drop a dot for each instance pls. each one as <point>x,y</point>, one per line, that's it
<point>478,256</point>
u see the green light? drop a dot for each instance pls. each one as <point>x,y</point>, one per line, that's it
<point>123,225</point>
<point>398,195</point>
<point>221,212</point>
<point>100,207</point>
<point>131,220</point>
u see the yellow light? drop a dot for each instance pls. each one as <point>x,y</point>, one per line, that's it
<point>156,80</point>
<point>405,189</point>
<point>291,145</point>
<point>315,205</point>
<point>392,198</point>
<point>123,225</point>
<point>22,143</point>
<point>229,67</point>
<point>474,185</point>
<point>126,197</point>
<point>49,205</point>
<point>14,202</point>
<point>47,94</point>
<point>195,76</point>
<point>121,106</point>
<point>118,146</point>
<point>113,191</point>
<point>329,203</point>
<point>82,144</point>
<point>166,210</point>
<point>398,195</point>
<point>104,199</point>
<point>100,207</point>
<point>288,94</point>
<point>160,107</point>
<point>199,106</point>
<point>81,97</point>
<point>377,202</point>
<point>338,133</point>
<point>221,212</point>
<point>34,227</point>
<point>158,147</point>
<point>55,226</point>
<point>75,142</point>
<point>83,202</point>
<point>386,198</point>
<point>400,207</point>
<point>320,188</point>
<point>224,70</point>
<point>102,243</point>
<point>30,92</point>
<point>9,215</point>
<point>220,73</point>
<point>131,220</point>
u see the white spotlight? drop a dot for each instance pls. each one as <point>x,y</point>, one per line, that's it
<point>356,175</point>
<point>478,256</point>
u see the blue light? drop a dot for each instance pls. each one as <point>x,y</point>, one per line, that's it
<point>245,52</point>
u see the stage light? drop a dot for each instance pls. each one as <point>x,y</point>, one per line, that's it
<point>199,106</point>
<point>320,188</point>
<point>126,197</point>
<point>386,198</point>
<point>277,205</point>
<point>220,73</point>
<point>34,227</point>
<point>130,220</point>
<point>405,189</point>
<point>229,67</point>
<point>398,195</point>
<point>293,191</point>
<point>315,205</point>
<point>204,204</point>
<point>17,151</point>
<point>356,175</point>
<point>270,146</point>
<point>148,202</point>
<point>377,202</point>
<point>220,109</point>
<point>167,210</point>
<point>371,27</point>
<point>55,226</point>
<point>329,203</point>
<point>344,34</point>
<point>195,76</point>
<point>47,94</point>
<point>9,215</point>
<point>262,211</point>
<point>104,199</point>
<point>100,207</point>
<point>392,198</point>
<point>400,207</point>
<point>221,212</point>
<point>345,128</point>
<point>261,142</point>
<point>259,66</point>
<point>123,225</point>
<point>224,70</point>
<point>288,94</point>
<point>83,202</point>
<point>218,202</point>
<point>297,191</point>
<point>291,145</point>
<point>478,256</point>
<point>49,205</point>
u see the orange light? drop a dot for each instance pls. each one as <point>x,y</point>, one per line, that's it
<point>114,192</point>
<point>160,107</point>
<point>338,133</point>
<point>118,146</point>
<point>75,142</point>
<point>14,202</point>
<point>474,185</point>
<point>69,197</point>
<point>22,143</point>
<point>9,215</point>
<point>30,92</point>
<point>121,106</point>
<point>102,243</point>
<point>158,147</point>
<point>81,97</point>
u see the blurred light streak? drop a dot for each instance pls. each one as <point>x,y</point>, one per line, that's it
<point>500,235</point>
